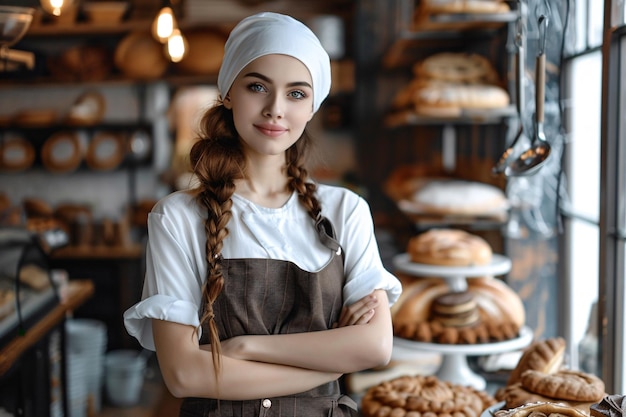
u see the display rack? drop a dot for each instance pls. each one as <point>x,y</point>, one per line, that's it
<point>454,367</point>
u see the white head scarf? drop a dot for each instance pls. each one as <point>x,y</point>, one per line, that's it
<point>272,33</point>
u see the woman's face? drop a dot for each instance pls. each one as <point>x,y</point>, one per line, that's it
<point>272,101</point>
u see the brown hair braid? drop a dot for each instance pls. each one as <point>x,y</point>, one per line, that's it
<point>218,160</point>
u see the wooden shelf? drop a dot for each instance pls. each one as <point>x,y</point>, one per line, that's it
<point>134,251</point>
<point>467,116</point>
<point>78,292</point>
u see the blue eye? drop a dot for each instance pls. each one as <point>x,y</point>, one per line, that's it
<point>257,87</point>
<point>298,94</point>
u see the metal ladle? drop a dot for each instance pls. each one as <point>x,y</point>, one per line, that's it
<point>531,160</point>
<point>502,163</point>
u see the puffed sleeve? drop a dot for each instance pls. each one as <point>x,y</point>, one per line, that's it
<point>172,284</point>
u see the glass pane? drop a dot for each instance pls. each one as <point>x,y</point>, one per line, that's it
<point>584,147</point>
<point>584,258</point>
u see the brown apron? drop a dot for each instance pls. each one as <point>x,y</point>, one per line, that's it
<point>265,297</point>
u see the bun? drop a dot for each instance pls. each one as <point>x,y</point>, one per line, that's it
<point>449,247</point>
<point>545,356</point>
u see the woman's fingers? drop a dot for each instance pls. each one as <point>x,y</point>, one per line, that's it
<point>360,312</point>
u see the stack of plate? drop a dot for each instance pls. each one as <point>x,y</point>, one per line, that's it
<point>86,344</point>
<point>77,366</point>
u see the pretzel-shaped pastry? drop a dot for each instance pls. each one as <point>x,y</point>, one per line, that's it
<point>565,384</point>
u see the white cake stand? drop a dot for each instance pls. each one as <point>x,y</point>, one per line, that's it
<point>456,275</point>
<point>454,367</point>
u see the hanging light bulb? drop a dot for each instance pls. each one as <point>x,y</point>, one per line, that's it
<point>176,46</point>
<point>164,24</point>
<point>56,7</point>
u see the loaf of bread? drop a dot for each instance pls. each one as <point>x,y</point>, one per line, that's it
<point>449,247</point>
<point>540,377</point>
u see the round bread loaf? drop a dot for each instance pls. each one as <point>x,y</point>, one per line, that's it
<point>423,396</point>
<point>457,67</point>
<point>449,247</point>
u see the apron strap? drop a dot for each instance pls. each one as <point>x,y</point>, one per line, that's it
<point>326,233</point>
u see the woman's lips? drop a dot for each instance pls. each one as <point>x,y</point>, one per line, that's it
<point>271,130</point>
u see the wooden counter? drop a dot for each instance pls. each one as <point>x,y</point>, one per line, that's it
<point>78,292</point>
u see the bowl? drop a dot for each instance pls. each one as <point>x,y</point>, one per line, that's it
<point>14,22</point>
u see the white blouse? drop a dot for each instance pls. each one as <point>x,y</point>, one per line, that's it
<point>175,256</point>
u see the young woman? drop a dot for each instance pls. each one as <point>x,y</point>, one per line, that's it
<point>262,287</point>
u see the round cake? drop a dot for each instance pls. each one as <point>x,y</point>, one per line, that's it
<point>414,396</point>
<point>449,247</point>
<point>455,309</point>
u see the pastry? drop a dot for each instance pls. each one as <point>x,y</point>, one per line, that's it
<point>564,384</point>
<point>609,406</point>
<point>450,247</point>
<point>423,396</point>
<point>545,356</point>
<point>455,309</point>
<point>541,409</point>
<point>500,311</point>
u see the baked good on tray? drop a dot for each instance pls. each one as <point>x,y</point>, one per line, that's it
<point>446,84</point>
<point>415,396</point>
<point>501,312</point>
<point>449,247</point>
<point>444,197</point>
<point>465,6</point>
<point>541,377</point>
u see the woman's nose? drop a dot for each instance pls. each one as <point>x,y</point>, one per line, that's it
<point>274,106</point>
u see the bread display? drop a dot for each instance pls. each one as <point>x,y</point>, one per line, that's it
<point>501,313</point>
<point>446,84</point>
<point>414,396</point>
<point>449,247</point>
<point>540,377</point>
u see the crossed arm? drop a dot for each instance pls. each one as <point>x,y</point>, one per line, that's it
<point>275,365</point>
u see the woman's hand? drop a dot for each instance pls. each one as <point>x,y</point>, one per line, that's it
<point>361,312</point>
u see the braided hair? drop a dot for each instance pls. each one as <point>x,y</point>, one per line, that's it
<point>217,160</point>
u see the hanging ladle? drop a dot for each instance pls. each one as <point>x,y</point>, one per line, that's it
<point>520,63</point>
<point>531,160</point>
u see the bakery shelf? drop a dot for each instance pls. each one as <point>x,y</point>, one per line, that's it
<point>467,117</point>
<point>417,32</point>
